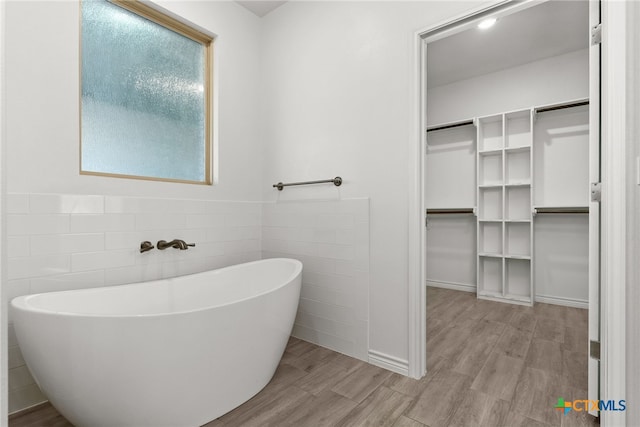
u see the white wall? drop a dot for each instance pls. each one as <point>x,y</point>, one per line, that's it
<point>71,231</point>
<point>548,81</point>
<point>338,99</point>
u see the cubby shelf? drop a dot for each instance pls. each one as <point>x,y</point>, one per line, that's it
<point>527,257</point>
<point>490,152</point>
<point>504,194</point>
<point>489,255</point>
<point>517,149</point>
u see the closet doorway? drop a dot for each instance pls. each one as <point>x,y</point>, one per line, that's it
<point>512,234</point>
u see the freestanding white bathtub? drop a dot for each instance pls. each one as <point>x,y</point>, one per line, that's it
<point>177,352</point>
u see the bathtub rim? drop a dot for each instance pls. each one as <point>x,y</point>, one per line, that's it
<point>22,302</point>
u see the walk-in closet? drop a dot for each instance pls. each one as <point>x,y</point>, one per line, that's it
<point>507,158</point>
<point>509,213</point>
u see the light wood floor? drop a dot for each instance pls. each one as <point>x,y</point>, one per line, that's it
<point>490,364</point>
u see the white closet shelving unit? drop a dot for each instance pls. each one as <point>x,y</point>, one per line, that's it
<point>507,167</point>
<point>504,197</point>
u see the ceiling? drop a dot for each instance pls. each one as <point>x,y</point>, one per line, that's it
<point>549,29</point>
<point>261,7</point>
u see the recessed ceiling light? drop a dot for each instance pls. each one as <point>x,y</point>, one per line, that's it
<point>487,23</point>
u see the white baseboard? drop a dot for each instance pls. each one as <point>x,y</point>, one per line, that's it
<point>453,286</point>
<point>389,363</point>
<point>545,299</point>
<point>567,302</point>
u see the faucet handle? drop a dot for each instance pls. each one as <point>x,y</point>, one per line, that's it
<point>146,246</point>
<point>191,244</point>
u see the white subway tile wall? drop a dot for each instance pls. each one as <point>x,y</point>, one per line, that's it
<point>331,238</point>
<point>62,242</point>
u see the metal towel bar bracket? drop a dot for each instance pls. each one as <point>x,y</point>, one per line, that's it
<point>337,181</point>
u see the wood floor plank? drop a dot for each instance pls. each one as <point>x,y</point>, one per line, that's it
<point>479,309</point>
<point>382,408</point>
<point>499,376</point>
<point>286,374</point>
<point>43,415</point>
<point>545,355</point>
<point>361,382</point>
<point>551,312</point>
<point>434,326</point>
<point>496,413</point>
<point>269,411</point>
<point>473,355</point>
<point>550,330</point>
<point>524,320</point>
<point>514,342</point>
<point>407,422</point>
<point>457,309</point>
<point>576,339</point>
<point>438,401</point>
<point>537,393</point>
<point>501,312</point>
<point>328,375</point>
<point>311,359</point>
<point>577,318</point>
<point>449,342</point>
<point>471,409</point>
<point>325,410</point>
<point>298,347</point>
<point>575,368</point>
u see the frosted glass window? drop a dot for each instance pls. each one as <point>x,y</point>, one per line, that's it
<point>145,94</point>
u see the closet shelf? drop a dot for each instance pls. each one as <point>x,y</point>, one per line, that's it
<point>513,256</point>
<point>492,152</point>
<point>490,295</point>
<point>489,255</point>
<point>518,184</point>
<point>519,298</point>
<point>517,220</point>
<point>489,220</point>
<point>517,149</point>
<point>490,185</point>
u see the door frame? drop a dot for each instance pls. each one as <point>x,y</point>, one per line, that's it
<point>4,366</point>
<point>613,206</point>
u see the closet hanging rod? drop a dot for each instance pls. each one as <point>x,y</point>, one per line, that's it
<point>337,181</point>
<point>451,211</point>
<point>560,210</point>
<point>450,125</point>
<point>562,106</point>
